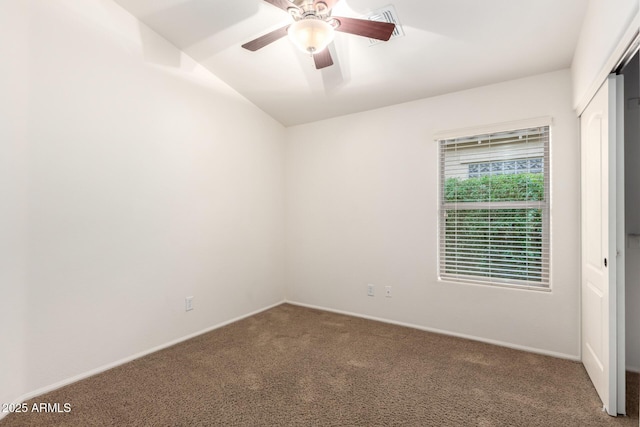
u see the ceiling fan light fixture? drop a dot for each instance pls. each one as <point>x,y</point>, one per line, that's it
<point>311,35</point>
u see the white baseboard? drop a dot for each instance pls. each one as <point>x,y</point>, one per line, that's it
<point>108,366</point>
<point>544,352</point>
<point>633,369</point>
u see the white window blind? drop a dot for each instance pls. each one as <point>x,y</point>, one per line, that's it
<point>494,208</point>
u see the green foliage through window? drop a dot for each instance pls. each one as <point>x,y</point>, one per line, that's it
<point>498,243</point>
<point>515,187</point>
<point>502,243</point>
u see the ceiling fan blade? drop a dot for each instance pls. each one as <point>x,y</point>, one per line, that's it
<point>268,38</point>
<point>323,59</point>
<point>282,4</point>
<point>365,28</point>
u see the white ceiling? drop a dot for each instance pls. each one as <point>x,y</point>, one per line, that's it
<point>449,45</point>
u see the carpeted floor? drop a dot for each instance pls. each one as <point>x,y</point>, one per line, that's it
<point>296,366</point>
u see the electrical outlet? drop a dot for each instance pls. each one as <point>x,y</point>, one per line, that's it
<point>371,290</point>
<point>387,291</point>
<point>188,304</point>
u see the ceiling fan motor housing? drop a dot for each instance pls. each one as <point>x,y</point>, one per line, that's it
<point>301,9</point>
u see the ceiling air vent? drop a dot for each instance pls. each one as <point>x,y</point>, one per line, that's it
<point>386,14</point>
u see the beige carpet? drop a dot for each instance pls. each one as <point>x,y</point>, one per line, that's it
<point>297,366</point>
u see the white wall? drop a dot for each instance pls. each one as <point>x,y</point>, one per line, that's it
<point>362,207</point>
<point>13,191</point>
<point>148,180</point>
<point>605,24</point>
<point>632,214</point>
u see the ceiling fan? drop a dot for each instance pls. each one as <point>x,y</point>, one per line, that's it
<point>313,28</point>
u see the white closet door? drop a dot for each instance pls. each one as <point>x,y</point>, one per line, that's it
<point>599,252</point>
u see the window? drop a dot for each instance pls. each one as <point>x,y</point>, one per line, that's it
<point>494,208</point>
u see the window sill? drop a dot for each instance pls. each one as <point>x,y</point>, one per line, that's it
<point>496,285</point>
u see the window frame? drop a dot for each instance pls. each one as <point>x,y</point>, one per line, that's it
<point>544,205</point>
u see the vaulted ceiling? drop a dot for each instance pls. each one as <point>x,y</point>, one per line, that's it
<point>448,45</point>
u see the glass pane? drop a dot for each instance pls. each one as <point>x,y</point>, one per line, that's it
<point>488,188</point>
<point>500,243</point>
